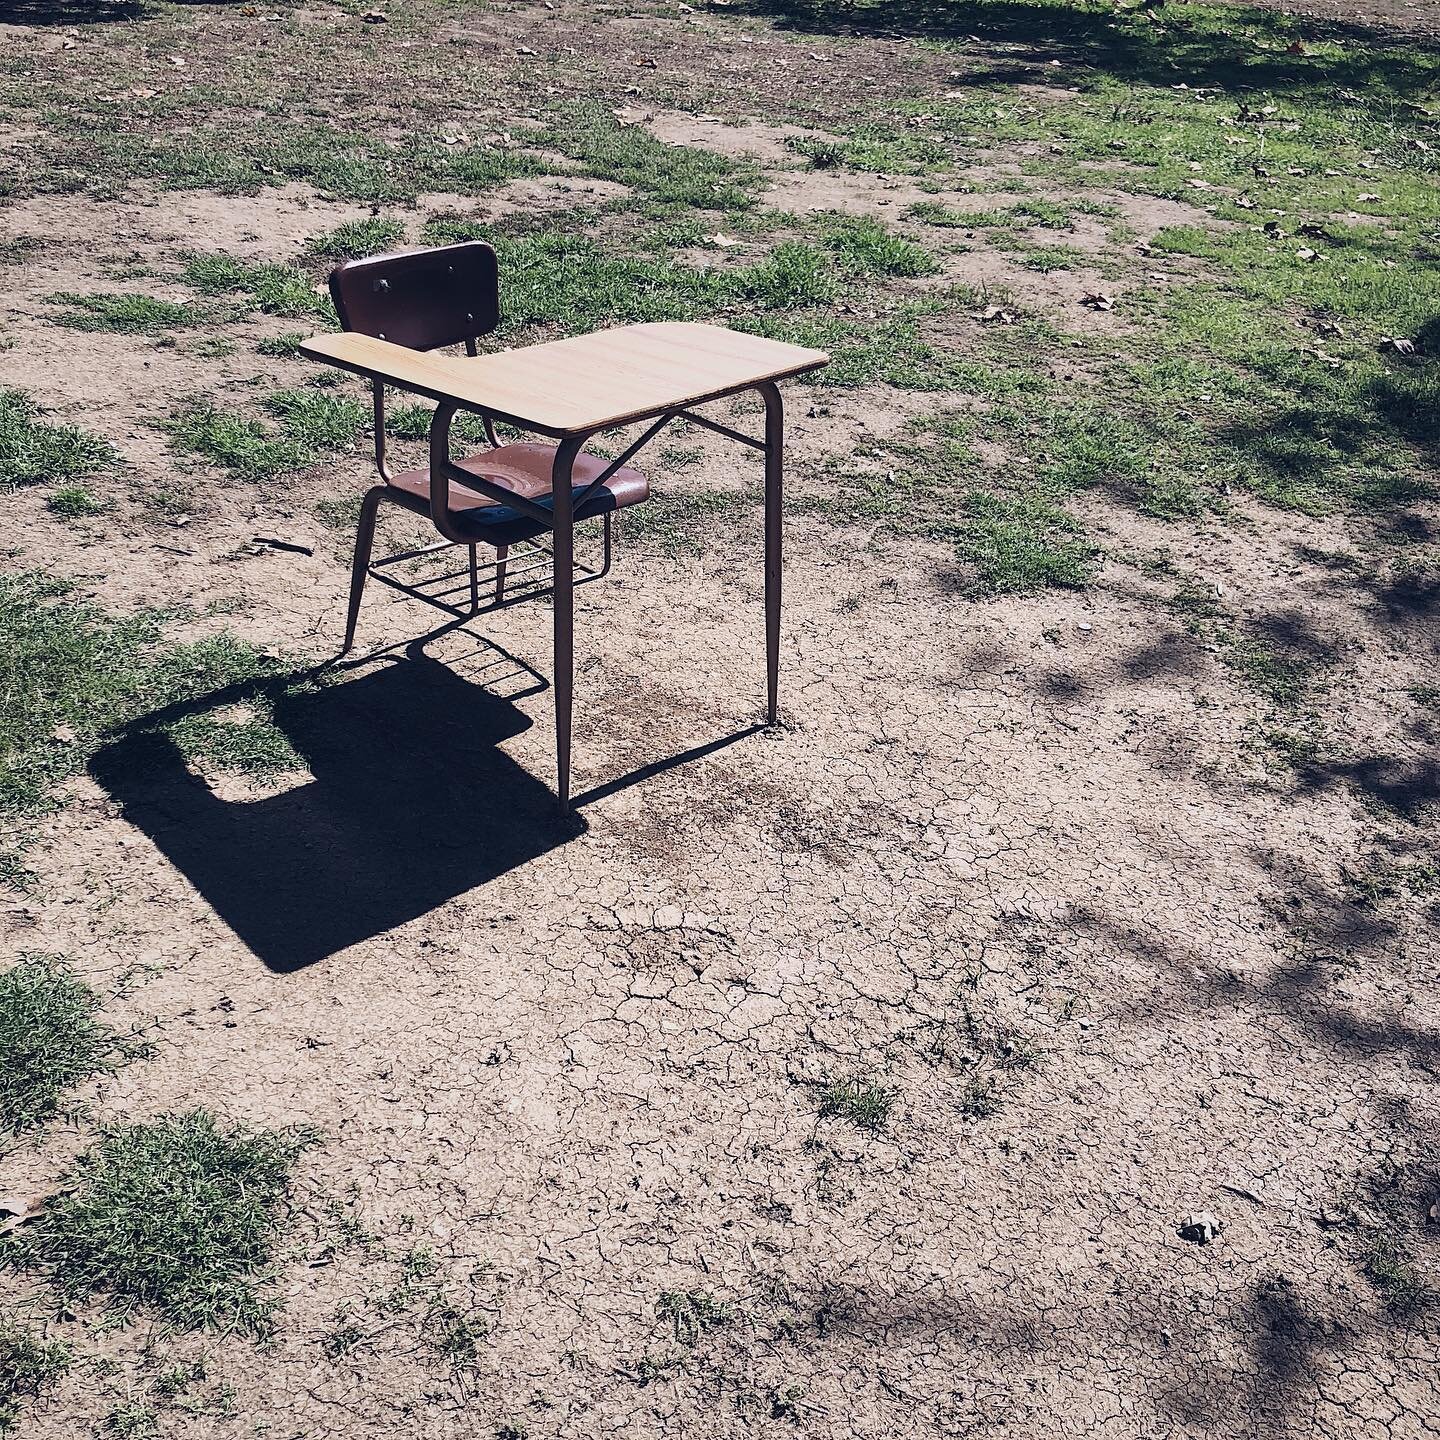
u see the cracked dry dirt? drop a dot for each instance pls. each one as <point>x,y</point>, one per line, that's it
<point>1030,843</point>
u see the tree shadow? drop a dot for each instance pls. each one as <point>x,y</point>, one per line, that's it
<point>411,802</point>
<point>1256,53</point>
<point>73,13</point>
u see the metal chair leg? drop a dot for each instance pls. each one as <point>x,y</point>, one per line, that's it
<point>360,566</point>
<point>474,583</point>
<point>605,562</point>
<point>501,552</point>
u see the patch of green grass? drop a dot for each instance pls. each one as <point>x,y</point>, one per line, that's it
<point>796,276</point>
<point>677,523</point>
<point>888,350</point>
<point>244,743</point>
<point>179,1215</point>
<point>876,146</point>
<point>865,247</point>
<point>50,1039</point>
<point>1021,543</point>
<point>74,502</point>
<point>317,421</point>
<point>341,514</point>
<point>864,1103</point>
<point>821,153</point>
<point>273,289</point>
<point>236,443</point>
<point>1281,676</point>
<point>1391,1268</point>
<point>29,1366</point>
<point>125,314</point>
<point>70,673</point>
<point>132,1420</point>
<point>979,1099</point>
<point>693,1312</point>
<point>285,345</point>
<point>34,451</point>
<point>243,157</point>
<point>412,422</point>
<point>311,424</point>
<point>356,239</point>
<point>679,177</point>
<point>1048,258</point>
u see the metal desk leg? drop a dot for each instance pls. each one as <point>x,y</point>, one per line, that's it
<point>774,474</point>
<point>563,600</point>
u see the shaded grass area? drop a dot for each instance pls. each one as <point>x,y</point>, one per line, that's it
<point>179,1215</point>
<point>70,673</point>
<point>35,451</point>
<point>50,1039</point>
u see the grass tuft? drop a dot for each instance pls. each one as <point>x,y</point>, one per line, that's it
<point>125,314</point>
<point>177,1214</point>
<point>69,673</point>
<point>50,1039</point>
<point>273,289</point>
<point>356,239</point>
<point>33,451</point>
<point>692,1312</point>
<point>29,1366</point>
<point>74,502</point>
<point>864,1103</point>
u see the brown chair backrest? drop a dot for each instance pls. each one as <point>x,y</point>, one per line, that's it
<point>421,299</point>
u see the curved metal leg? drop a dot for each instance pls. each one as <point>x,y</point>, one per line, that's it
<point>605,561</point>
<point>360,566</point>
<point>501,554</point>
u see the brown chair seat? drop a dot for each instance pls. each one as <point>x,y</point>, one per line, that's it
<point>526,469</point>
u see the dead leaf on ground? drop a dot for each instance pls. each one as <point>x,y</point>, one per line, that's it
<point>1398,346</point>
<point>996,315</point>
<point>1097,300</point>
<point>723,242</point>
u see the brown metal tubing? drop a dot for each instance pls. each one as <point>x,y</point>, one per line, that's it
<point>379,388</point>
<point>719,429</point>
<point>615,464</point>
<point>360,565</point>
<point>563,603</point>
<point>443,470</point>
<point>472,349</point>
<point>774,475</point>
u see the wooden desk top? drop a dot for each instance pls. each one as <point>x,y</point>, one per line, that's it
<point>567,387</point>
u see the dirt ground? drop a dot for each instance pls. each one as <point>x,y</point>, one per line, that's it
<point>1022,850</point>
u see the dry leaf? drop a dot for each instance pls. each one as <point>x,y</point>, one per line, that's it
<point>724,242</point>
<point>375,17</point>
<point>1398,346</point>
<point>1098,300</point>
<point>997,315</point>
<point>1306,253</point>
<point>64,734</point>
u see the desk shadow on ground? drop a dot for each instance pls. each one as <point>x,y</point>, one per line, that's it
<point>411,802</point>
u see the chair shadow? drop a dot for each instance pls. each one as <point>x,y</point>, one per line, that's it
<point>410,803</point>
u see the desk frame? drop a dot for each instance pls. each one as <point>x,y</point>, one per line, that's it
<point>560,520</point>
